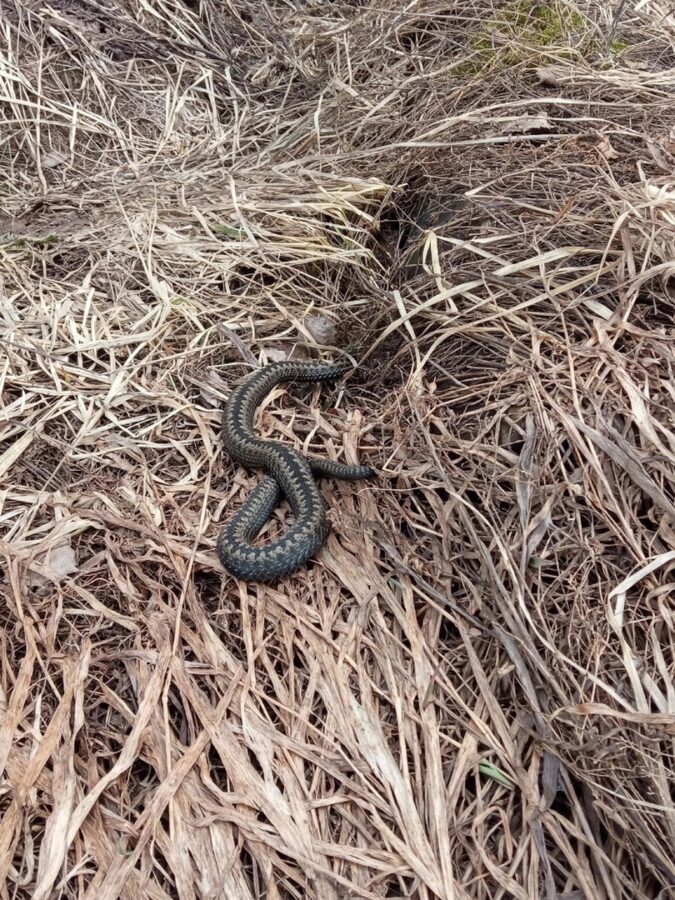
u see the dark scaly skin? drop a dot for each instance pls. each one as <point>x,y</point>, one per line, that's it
<point>290,475</point>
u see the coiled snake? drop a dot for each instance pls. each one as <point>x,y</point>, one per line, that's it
<point>290,474</point>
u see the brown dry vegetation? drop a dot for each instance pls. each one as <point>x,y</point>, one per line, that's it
<point>471,693</point>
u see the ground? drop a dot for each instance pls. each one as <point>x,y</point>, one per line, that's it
<point>470,693</point>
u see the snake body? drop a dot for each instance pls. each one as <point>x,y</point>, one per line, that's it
<point>289,474</point>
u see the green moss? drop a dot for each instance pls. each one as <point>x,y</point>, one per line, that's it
<point>520,32</point>
<point>610,55</point>
<point>228,231</point>
<point>22,243</point>
<point>617,47</point>
<point>557,23</point>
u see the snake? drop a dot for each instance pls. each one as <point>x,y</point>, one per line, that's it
<point>289,474</point>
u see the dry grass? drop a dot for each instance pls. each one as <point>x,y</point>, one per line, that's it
<point>472,692</point>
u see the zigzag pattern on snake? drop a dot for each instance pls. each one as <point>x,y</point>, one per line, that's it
<point>290,475</point>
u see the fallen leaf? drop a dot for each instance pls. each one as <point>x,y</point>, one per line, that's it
<point>321,328</point>
<point>286,350</point>
<point>53,159</point>
<point>525,124</point>
<point>55,565</point>
<point>547,78</point>
<point>606,150</point>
